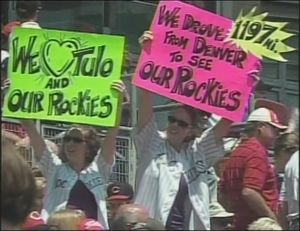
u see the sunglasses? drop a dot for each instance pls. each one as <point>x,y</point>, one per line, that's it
<point>74,139</point>
<point>180,123</point>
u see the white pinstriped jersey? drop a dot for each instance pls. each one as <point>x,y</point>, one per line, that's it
<point>61,178</point>
<point>160,168</point>
<point>290,186</point>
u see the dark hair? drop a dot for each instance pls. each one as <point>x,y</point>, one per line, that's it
<point>18,188</point>
<point>36,171</point>
<point>92,140</point>
<point>27,9</point>
<point>288,142</point>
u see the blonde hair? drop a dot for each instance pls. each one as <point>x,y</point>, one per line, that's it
<point>41,184</point>
<point>264,223</point>
<point>67,219</point>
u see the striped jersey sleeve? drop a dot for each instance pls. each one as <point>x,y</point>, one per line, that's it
<point>146,140</point>
<point>104,168</point>
<point>209,148</point>
<point>146,143</point>
<point>48,162</point>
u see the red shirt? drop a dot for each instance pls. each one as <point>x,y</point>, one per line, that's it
<point>249,167</point>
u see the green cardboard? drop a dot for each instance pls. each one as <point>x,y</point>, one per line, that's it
<point>64,76</point>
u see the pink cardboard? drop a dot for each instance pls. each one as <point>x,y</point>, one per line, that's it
<point>206,73</point>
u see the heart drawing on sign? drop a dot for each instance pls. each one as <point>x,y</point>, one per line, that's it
<point>57,56</point>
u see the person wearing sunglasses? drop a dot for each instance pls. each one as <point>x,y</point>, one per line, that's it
<point>77,176</point>
<point>171,178</point>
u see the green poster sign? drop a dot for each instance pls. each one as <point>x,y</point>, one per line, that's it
<point>64,76</point>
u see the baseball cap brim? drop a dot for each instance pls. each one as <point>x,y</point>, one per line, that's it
<point>280,126</point>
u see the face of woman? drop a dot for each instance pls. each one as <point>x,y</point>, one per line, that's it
<point>179,127</point>
<point>75,146</point>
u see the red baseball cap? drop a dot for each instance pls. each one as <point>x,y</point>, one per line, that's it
<point>90,224</point>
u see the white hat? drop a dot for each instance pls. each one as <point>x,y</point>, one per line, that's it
<point>266,115</point>
<point>217,210</point>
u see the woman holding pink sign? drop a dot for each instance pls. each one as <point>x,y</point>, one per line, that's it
<point>172,172</point>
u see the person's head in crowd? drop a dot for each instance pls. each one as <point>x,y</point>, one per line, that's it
<point>264,223</point>
<point>182,125</point>
<point>90,224</point>
<point>129,215</point>
<point>41,185</point>
<point>285,146</point>
<point>118,193</point>
<point>28,10</point>
<point>67,219</point>
<point>33,220</point>
<point>80,145</point>
<point>18,189</point>
<point>220,219</point>
<point>150,224</point>
<point>263,124</point>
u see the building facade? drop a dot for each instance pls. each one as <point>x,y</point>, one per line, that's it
<point>131,18</point>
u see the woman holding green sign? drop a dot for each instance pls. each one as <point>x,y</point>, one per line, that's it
<point>77,177</point>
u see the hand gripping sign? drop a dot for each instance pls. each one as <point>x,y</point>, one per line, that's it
<point>189,61</point>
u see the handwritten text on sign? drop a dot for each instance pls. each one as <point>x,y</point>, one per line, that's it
<point>64,76</point>
<point>189,62</point>
<point>262,38</point>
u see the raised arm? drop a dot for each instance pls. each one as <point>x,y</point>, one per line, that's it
<point>145,109</point>
<point>146,101</point>
<point>36,140</point>
<point>108,149</point>
<point>11,136</point>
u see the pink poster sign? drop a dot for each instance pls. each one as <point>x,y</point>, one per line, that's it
<point>189,62</point>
